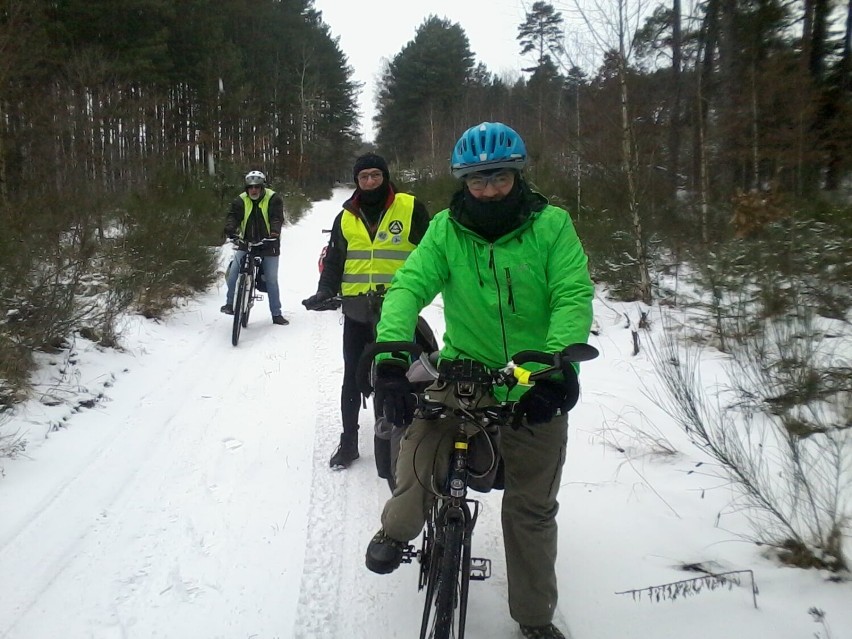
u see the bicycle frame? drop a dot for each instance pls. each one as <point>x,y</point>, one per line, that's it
<point>446,564</point>
<point>250,266</point>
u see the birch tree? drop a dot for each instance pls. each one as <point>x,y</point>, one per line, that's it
<point>613,26</point>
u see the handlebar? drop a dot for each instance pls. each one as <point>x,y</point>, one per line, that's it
<point>334,302</point>
<point>468,371</point>
<point>239,245</point>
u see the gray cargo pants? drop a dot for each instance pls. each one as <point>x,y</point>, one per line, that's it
<point>533,460</point>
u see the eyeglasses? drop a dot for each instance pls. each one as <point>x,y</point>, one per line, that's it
<point>366,176</point>
<point>254,186</point>
<point>478,181</point>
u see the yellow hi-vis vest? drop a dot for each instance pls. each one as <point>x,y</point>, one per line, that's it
<point>248,205</point>
<point>373,262</point>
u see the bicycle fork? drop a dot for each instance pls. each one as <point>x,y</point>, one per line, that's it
<point>480,567</point>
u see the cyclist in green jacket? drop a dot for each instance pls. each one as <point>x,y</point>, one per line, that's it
<point>514,277</point>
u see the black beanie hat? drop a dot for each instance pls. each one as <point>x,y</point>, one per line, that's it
<point>370,161</point>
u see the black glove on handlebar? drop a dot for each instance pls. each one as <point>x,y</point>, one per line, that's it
<point>316,301</point>
<point>395,394</point>
<point>540,404</point>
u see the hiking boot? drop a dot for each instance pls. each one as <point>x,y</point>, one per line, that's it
<point>346,453</point>
<point>227,309</point>
<point>384,554</point>
<point>541,632</point>
<point>279,319</point>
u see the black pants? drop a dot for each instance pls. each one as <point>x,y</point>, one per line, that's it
<point>356,336</point>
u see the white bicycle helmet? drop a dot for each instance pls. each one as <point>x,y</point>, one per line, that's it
<point>255,177</point>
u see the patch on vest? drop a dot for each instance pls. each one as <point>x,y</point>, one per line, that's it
<point>396,227</point>
<point>381,236</point>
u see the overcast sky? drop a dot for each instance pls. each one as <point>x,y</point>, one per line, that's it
<point>378,29</point>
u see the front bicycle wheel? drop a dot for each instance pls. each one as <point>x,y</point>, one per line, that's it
<point>249,282</point>
<point>240,308</point>
<point>447,585</point>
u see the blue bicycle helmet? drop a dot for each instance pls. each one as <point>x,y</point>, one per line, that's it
<point>487,146</point>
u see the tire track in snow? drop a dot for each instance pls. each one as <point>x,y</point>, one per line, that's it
<point>60,536</point>
<point>338,596</point>
<point>318,593</point>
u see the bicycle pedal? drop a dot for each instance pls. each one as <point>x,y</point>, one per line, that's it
<point>410,554</point>
<point>480,568</point>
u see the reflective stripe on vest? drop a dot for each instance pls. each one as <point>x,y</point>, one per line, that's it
<point>373,262</point>
<point>248,205</point>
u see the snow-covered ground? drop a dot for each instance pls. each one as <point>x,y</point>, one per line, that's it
<point>181,489</point>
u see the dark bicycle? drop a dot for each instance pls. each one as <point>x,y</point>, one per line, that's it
<point>446,562</point>
<point>250,275</point>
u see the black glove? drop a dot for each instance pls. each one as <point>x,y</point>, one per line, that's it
<point>316,301</point>
<point>540,403</point>
<point>395,394</point>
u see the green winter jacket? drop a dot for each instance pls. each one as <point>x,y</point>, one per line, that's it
<point>529,290</point>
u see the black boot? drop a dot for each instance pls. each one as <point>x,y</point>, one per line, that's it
<point>346,452</point>
<point>384,554</point>
<point>541,632</point>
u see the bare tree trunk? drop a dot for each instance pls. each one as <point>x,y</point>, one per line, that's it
<point>4,193</point>
<point>432,144</point>
<point>755,131</point>
<point>807,28</point>
<point>837,154</point>
<point>727,90</point>
<point>630,170</point>
<point>305,106</point>
<point>620,30</point>
<point>703,186</point>
<point>846,61</point>
<point>675,124</point>
<point>577,149</point>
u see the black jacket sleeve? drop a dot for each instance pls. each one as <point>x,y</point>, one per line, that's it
<point>234,217</point>
<point>334,260</point>
<point>276,214</point>
<point>419,222</point>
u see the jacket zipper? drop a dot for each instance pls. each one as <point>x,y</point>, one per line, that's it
<point>499,300</point>
<point>511,300</point>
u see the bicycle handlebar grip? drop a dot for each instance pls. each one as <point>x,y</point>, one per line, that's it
<point>579,352</point>
<point>525,357</point>
<point>362,374</point>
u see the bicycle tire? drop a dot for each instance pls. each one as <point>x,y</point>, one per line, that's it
<point>449,585</point>
<point>249,296</point>
<point>382,455</point>
<point>431,554</point>
<point>239,309</point>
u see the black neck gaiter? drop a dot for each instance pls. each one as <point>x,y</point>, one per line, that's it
<point>492,220</point>
<point>374,197</point>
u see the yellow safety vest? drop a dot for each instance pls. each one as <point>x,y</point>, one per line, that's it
<point>373,262</point>
<point>248,205</point>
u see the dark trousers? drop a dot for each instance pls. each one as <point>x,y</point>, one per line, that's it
<point>356,336</point>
